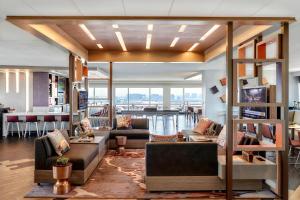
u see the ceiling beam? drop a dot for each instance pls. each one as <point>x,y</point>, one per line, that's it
<point>57,35</point>
<point>240,35</point>
<point>141,56</point>
<point>219,20</point>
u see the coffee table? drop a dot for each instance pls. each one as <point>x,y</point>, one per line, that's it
<point>97,140</point>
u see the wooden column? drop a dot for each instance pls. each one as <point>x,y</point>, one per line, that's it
<point>229,126</point>
<point>285,82</point>
<point>71,79</point>
<point>110,90</point>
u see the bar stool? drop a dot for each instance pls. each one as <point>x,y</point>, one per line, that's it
<point>64,120</point>
<point>49,119</point>
<point>13,120</point>
<point>31,119</point>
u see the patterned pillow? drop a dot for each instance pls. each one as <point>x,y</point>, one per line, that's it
<point>221,140</point>
<point>58,142</point>
<point>202,126</point>
<point>86,124</point>
<point>65,133</point>
<point>163,138</point>
<point>124,122</point>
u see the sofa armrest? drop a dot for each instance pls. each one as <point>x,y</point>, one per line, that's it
<point>40,154</point>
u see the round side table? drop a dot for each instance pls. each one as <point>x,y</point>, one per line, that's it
<point>121,142</point>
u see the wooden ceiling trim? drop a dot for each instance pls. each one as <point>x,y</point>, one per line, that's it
<point>139,56</point>
<point>220,20</point>
<point>54,33</point>
<point>241,35</point>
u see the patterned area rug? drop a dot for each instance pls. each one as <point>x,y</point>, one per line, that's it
<point>120,177</point>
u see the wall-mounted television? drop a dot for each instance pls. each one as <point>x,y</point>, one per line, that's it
<point>254,95</point>
<point>82,99</point>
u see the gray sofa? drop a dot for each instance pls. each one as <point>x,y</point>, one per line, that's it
<point>137,136</point>
<point>84,159</point>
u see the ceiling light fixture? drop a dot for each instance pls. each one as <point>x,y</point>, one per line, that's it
<point>150,27</point>
<point>115,26</point>
<point>121,41</point>
<point>209,32</point>
<point>7,81</point>
<point>17,81</point>
<point>182,28</point>
<point>87,31</point>
<point>100,46</point>
<point>174,41</point>
<point>193,46</point>
<point>148,42</point>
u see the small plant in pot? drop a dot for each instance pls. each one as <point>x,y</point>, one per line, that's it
<point>62,172</point>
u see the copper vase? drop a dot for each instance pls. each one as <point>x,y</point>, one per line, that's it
<point>62,174</point>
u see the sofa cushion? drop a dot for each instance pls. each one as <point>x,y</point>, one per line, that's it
<point>80,155</point>
<point>48,146</point>
<point>202,126</point>
<point>130,133</point>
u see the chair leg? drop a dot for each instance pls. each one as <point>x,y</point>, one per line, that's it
<point>297,158</point>
<point>54,125</point>
<point>44,127</point>
<point>18,126</point>
<point>26,126</point>
<point>7,129</point>
<point>37,129</point>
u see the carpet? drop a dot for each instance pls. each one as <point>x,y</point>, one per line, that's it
<point>119,177</point>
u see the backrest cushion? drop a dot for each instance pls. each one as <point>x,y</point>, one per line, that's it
<point>163,138</point>
<point>48,147</point>
<point>142,123</point>
<point>202,126</point>
<point>58,142</point>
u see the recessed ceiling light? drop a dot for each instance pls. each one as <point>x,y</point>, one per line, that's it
<point>210,31</point>
<point>182,28</point>
<point>121,41</point>
<point>148,42</point>
<point>115,26</point>
<point>174,41</point>
<point>193,46</point>
<point>87,31</point>
<point>100,46</point>
<point>150,27</point>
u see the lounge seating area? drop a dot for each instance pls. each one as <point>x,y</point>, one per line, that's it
<point>149,100</point>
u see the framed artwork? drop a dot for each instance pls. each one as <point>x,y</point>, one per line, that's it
<point>223,98</point>
<point>214,90</point>
<point>223,81</point>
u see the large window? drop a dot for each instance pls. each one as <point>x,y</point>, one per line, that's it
<point>181,97</point>
<point>98,96</point>
<point>156,97</point>
<point>138,98</point>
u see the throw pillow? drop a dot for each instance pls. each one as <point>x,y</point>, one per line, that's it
<point>86,124</point>
<point>221,140</point>
<point>58,142</point>
<point>163,138</point>
<point>65,133</point>
<point>202,126</point>
<point>211,130</point>
<point>124,122</point>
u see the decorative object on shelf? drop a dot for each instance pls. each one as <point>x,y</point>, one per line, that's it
<point>61,172</point>
<point>85,71</point>
<point>223,98</point>
<point>245,82</point>
<point>121,142</point>
<point>214,90</point>
<point>248,156</point>
<point>223,81</point>
<point>180,137</point>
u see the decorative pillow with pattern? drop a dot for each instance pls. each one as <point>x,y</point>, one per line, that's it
<point>202,126</point>
<point>86,124</point>
<point>65,133</point>
<point>58,142</point>
<point>163,138</point>
<point>124,122</point>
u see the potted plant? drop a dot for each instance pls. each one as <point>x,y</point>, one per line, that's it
<point>62,172</point>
